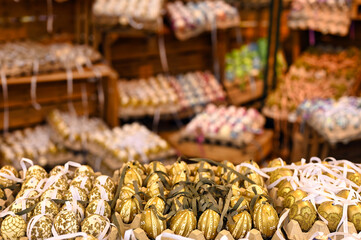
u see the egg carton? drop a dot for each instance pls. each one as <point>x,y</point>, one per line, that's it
<point>293,229</point>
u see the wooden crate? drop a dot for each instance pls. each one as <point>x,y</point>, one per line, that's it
<point>52,93</point>
<point>236,96</point>
<point>260,148</point>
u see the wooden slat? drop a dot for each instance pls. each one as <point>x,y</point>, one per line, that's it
<point>238,97</point>
<point>258,150</point>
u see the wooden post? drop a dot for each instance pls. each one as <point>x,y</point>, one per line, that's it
<point>111,98</point>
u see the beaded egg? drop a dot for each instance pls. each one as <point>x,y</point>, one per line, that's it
<point>82,182</point>
<point>39,227</point>
<point>46,207</point>
<point>95,225</point>
<point>98,206</point>
<point>66,222</point>
<point>106,182</point>
<point>99,192</point>
<point>37,171</point>
<point>13,227</point>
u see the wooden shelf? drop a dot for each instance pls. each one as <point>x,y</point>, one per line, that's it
<point>103,69</point>
<point>260,148</point>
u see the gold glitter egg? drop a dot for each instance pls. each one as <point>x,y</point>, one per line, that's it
<point>126,192</point>
<point>255,177</point>
<point>57,170</point>
<point>180,177</point>
<point>106,182</point>
<point>277,162</point>
<point>9,169</point>
<point>242,224</point>
<point>245,170</point>
<point>354,215</point>
<point>13,227</point>
<point>354,177</point>
<point>344,194</point>
<point>208,223</point>
<point>332,213</point>
<point>84,171</point>
<point>265,219</point>
<point>31,183</point>
<point>158,203</point>
<point>94,225</point>
<point>19,205</point>
<point>252,191</point>
<point>100,207</point>
<point>183,223</point>
<point>75,193</point>
<point>36,171</point>
<point>304,213</point>
<point>277,174</point>
<point>75,207</point>
<point>66,222</point>
<point>5,182</point>
<point>156,166</point>
<point>230,177</point>
<point>151,224</point>
<point>260,200</point>
<point>46,207</point>
<point>89,237</point>
<point>82,182</point>
<point>132,175</point>
<point>244,205</point>
<point>41,227</point>
<point>284,188</point>
<point>137,166</point>
<point>2,194</point>
<point>128,209</point>
<point>59,182</point>
<point>177,167</point>
<point>30,195</point>
<point>52,194</point>
<point>293,197</point>
<point>221,170</point>
<point>99,192</point>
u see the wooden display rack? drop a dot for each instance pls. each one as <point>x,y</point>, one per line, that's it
<point>52,93</point>
<point>260,148</point>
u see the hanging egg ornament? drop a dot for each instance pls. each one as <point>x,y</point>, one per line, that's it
<point>41,227</point>
<point>355,177</point>
<point>332,213</point>
<point>156,166</point>
<point>244,170</point>
<point>154,177</point>
<point>158,203</point>
<point>280,173</point>
<point>354,215</point>
<point>208,223</point>
<point>252,191</point>
<point>177,167</point>
<point>82,182</point>
<point>84,171</point>
<point>59,182</point>
<point>46,207</point>
<point>36,171</point>
<point>99,192</point>
<point>221,170</point>
<point>244,205</point>
<point>242,224</point>
<point>66,222</point>
<point>94,225</point>
<point>266,219</point>
<point>128,209</point>
<point>183,222</point>
<point>202,167</point>
<point>154,190</point>
<point>100,207</point>
<point>284,188</point>
<point>137,166</point>
<point>7,169</point>
<point>30,183</point>
<point>126,192</point>
<point>256,178</point>
<point>293,197</point>
<point>304,213</point>
<point>75,207</point>
<point>75,193</point>
<point>180,177</point>
<point>151,224</point>
<point>106,182</point>
<point>13,227</point>
<point>277,162</point>
<point>132,175</point>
